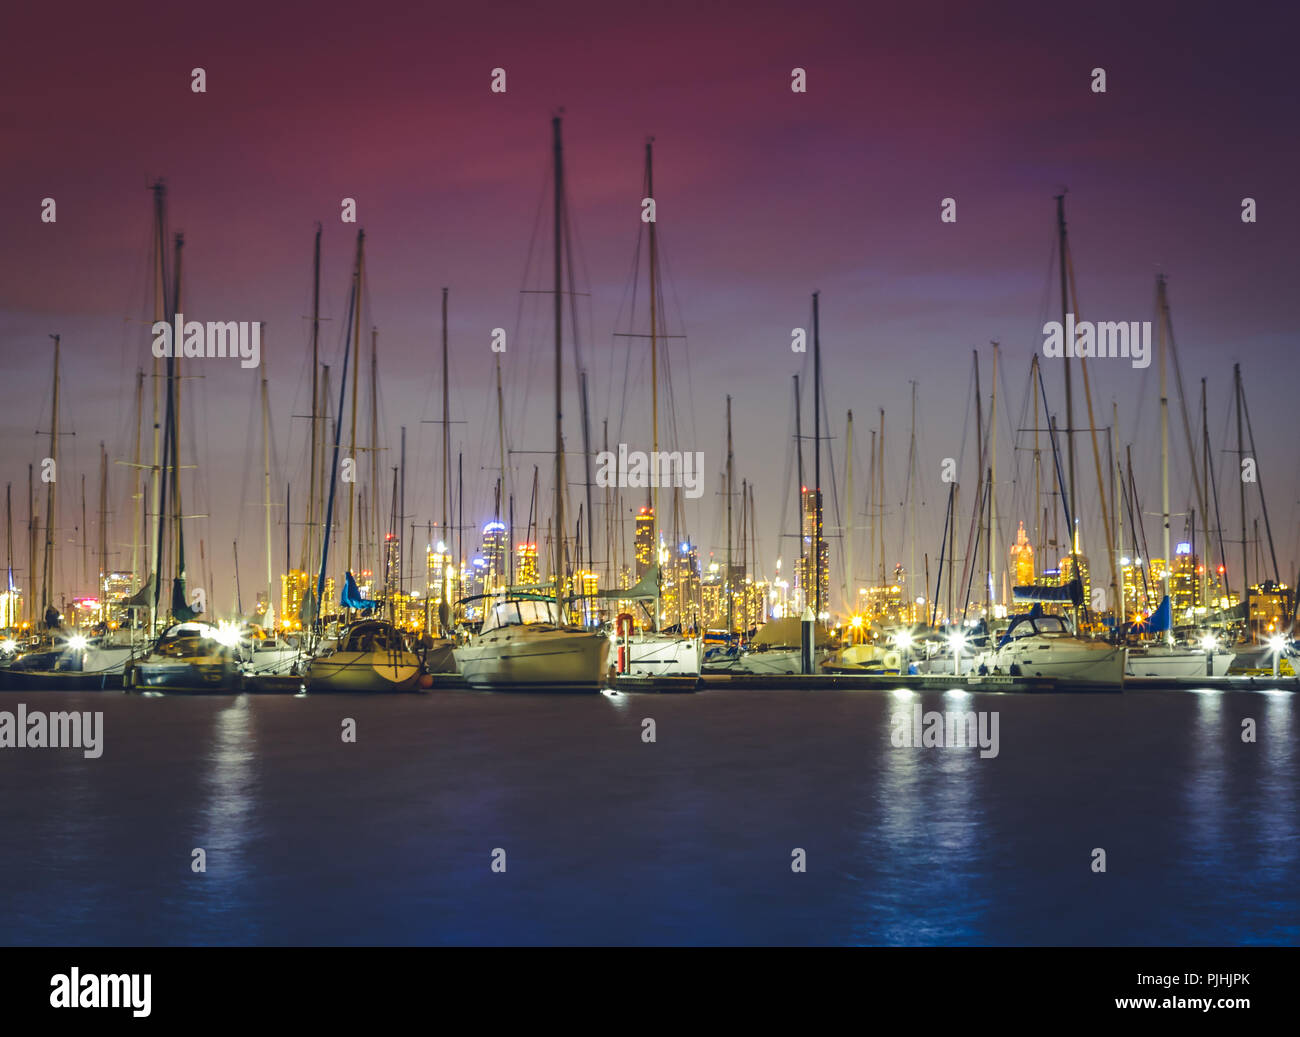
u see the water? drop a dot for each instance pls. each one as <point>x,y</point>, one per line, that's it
<point>686,840</point>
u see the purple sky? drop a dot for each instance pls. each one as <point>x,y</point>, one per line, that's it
<point>763,196</point>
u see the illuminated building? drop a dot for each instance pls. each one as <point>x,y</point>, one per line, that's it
<point>1270,605</point>
<point>293,588</point>
<point>810,568</point>
<point>439,570</point>
<point>495,546</point>
<point>1022,559</point>
<point>118,586</point>
<point>526,564</point>
<point>885,605</point>
<point>645,541</point>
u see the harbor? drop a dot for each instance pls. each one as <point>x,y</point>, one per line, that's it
<point>562,475</point>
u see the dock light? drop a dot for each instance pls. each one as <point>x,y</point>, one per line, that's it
<point>8,645</point>
<point>1209,642</point>
<point>956,641</point>
<point>856,622</point>
<point>226,634</point>
<point>1277,644</point>
<point>903,639</point>
<point>77,643</point>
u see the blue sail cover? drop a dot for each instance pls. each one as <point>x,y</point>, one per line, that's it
<point>1071,592</point>
<point>352,598</point>
<point>1159,621</point>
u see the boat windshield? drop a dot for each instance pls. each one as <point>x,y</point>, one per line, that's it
<point>371,637</point>
<point>1028,626</point>
<point>518,613</point>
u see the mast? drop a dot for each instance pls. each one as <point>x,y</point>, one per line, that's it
<point>356,380</point>
<point>848,533</point>
<point>1205,501</point>
<point>558,524</point>
<point>159,314</point>
<point>801,573</point>
<point>444,608</point>
<point>1241,487</point>
<point>817,458</point>
<point>103,530</point>
<point>1119,519</point>
<point>376,523</point>
<point>309,527</point>
<point>1068,351</point>
<point>1164,436</point>
<point>135,476</point>
<point>11,614</point>
<point>654,376</point>
<point>880,497</point>
<point>993,537</point>
<point>731,475</point>
<point>31,550</point>
<point>911,495</point>
<point>266,500</point>
<point>47,569</point>
<point>355,303</point>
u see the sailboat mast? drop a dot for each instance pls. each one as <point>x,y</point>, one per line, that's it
<point>266,495</point>
<point>135,477</point>
<point>47,571</point>
<point>444,613</point>
<point>993,536</point>
<point>375,549</point>
<point>159,314</point>
<point>309,528</point>
<point>356,380</point>
<point>731,475</point>
<point>801,573</point>
<point>103,527</point>
<point>1164,435</point>
<point>1068,352</point>
<point>817,458</point>
<point>558,525</point>
<point>654,375</point>
<point>1241,487</point>
<point>850,597</point>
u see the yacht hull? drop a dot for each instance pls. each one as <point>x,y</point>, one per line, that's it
<point>375,671</point>
<point>651,655</point>
<point>551,660</point>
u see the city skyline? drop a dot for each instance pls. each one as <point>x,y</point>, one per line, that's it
<point>749,230</point>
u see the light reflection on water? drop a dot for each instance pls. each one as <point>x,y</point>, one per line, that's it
<point>687,839</point>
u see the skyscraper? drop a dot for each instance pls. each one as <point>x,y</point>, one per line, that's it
<point>494,553</point>
<point>810,568</point>
<point>1022,559</point>
<point>645,541</point>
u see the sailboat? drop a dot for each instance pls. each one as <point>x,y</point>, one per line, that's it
<point>650,651</point>
<point>1166,658</point>
<point>367,654</point>
<point>189,656</point>
<point>1039,645</point>
<point>526,641</point>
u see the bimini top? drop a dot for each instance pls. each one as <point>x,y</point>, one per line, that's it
<point>370,635</point>
<point>1036,622</point>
